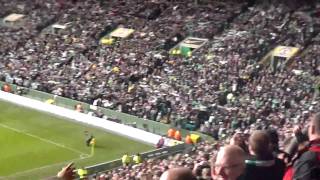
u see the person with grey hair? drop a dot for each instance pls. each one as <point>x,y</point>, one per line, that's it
<point>229,163</point>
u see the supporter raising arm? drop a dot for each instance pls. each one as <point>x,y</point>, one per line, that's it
<point>307,167</point>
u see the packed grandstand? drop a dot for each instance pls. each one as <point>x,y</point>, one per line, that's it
<point>228,69</point>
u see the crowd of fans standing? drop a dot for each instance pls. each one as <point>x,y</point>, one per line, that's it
<point>222,89</point>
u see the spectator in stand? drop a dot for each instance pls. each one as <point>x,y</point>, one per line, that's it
<point>229,163</point>
<point>178,174</point>
<point>239,140</point>
<point>221,88</point>
<point>307,167</point>
<point>262,164</point>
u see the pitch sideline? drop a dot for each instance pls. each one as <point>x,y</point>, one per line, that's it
<point>44,167</point>
<point>81,154</point>
<point>43,139</point>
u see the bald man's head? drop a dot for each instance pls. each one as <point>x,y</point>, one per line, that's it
<point>180,173</point>
<point>229,163</point>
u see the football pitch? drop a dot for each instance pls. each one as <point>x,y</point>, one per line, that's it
<point>35,145</point>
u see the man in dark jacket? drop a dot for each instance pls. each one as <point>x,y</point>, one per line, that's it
<point>307,167</point>
<point>262,164</point>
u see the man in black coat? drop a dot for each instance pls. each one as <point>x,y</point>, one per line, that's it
<point>307,167</point>
<point>261,163</point>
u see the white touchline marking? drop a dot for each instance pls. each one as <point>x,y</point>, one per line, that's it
<point>42,139</point>
<point>82,155</point>
<point>47,166</point>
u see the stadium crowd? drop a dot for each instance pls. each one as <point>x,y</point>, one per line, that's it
<point>258,154</point>
<point>222,90</point>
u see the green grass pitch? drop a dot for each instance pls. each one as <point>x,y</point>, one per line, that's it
<point>34,145</point>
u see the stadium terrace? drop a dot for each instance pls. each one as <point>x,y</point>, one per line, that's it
<point>245,73</point>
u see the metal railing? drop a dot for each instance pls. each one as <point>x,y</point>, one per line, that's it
<point>158,153</point>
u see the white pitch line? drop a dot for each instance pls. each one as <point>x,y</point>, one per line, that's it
<point>44,167</point>
<point>43,139</point>
<point>82,155</point>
